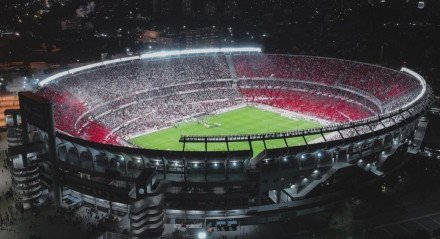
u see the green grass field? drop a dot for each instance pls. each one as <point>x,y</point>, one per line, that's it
<point>246,120</point>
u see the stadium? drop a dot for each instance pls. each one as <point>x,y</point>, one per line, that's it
<point>217,135</point>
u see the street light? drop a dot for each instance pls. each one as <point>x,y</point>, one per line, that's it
<point>201,235</point>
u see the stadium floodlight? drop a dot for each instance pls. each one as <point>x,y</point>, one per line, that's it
<point>201,235</point>
<point>240,49</point>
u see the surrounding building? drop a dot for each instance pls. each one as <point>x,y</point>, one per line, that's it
<point>200,37</point>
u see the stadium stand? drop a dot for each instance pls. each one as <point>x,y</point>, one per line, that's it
<point>321,106</point>
<point>120,100</point>
<point>64,102</point>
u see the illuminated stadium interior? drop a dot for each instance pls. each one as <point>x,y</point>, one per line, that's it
<point>118,100</point>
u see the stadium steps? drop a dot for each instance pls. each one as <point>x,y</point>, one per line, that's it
<point>231,67</point>
<point>376,171</point>
<point>418,136</point>
<point>336,167</point>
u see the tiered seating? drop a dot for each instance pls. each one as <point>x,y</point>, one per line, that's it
<point>315,105</point>
<point>101,85</point>
<point>139,96</point>
<point>381,82</point>
<point>163,109</point>
<point>277,66</point>
<point>67,109</point>
<point>289,67</point>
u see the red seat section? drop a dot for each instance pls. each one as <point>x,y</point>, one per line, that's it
<point>64,102</point>
<point>320,106</point>
<point>289,67</point>
<point>381,82</point>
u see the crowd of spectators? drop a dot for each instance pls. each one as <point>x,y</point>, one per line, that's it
<point>67,108</point>
<point>159,112</point>
<point>316,105</point>
<point>122,80</point>
<point>140,96</point>
<point>367,102</point>
<point>381,82</point>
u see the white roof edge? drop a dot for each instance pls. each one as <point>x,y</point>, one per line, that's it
<point>422,83</point>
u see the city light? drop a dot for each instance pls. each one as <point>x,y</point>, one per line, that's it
<point>201,235</point>
<point>219,136</point>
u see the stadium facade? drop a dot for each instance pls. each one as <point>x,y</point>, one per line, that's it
<point>55,148</point>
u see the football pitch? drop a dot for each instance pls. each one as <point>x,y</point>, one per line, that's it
<point>246,120</point>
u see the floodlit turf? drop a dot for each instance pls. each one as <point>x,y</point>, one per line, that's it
<point>246,120</point>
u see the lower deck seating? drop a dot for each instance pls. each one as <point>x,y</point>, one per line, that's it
<point>320,106</point>
<point>67,109</point>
